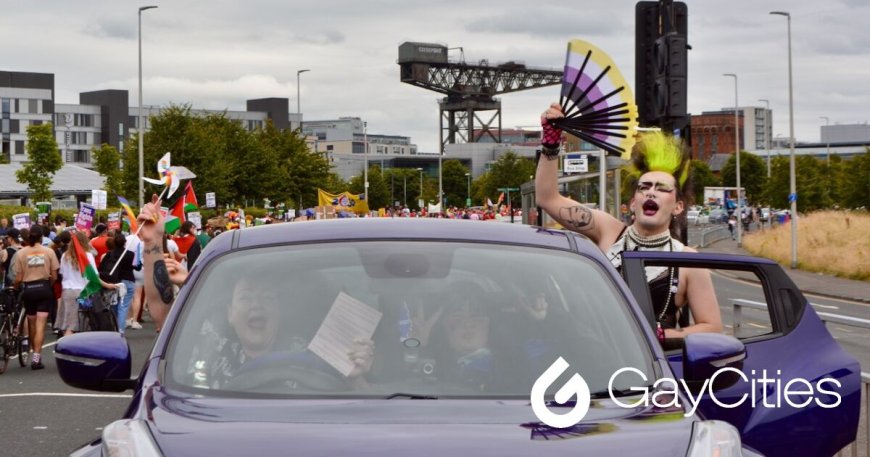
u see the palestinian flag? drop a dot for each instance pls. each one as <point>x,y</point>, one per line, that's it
<point>189,197</point>
<point>171,222</point>
<point>87,269</point>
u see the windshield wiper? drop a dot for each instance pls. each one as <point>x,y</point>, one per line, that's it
<point>411,396</point>
<point>617,393</point>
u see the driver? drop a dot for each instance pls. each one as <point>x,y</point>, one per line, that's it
<point>263,333</point>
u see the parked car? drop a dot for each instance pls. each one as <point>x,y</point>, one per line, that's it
<point>764,214</point>
<point>266,351</point>
<point>718,216</point>
<point>697,217</point>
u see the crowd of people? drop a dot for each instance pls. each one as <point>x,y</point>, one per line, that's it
<point>40,263</point>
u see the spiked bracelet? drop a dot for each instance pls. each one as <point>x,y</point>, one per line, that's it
<point>550,151</point>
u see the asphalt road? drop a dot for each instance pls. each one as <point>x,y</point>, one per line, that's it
<point>42,416</point>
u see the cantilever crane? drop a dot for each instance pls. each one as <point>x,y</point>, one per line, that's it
<point>470,88</point>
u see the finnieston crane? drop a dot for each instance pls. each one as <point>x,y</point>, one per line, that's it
<point>469,88</point>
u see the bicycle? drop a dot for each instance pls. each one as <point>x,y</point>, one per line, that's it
<point>96,312</point>
<point>12,330</point>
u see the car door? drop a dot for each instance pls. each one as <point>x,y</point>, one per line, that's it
<point>792,345</point>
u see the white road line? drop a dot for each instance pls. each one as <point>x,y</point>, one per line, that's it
<point>756,325</point>
<point>815,305</point>
<point>64,394</point>
<point>49,344</point>
<point>40,427</point>
<point>806,294</point>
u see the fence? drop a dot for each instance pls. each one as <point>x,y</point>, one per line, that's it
<point>712,235</point>
<point>863,436</point>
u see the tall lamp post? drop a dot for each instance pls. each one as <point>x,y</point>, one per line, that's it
<point>141,128</point>
<point>299,97</point>
<point>828,146</point>
<point>737,153</point>
<point>421,185</point>
<point>792,196</point>
<point>468,193</point>
<point>366,160</point>
<point>766,136</point>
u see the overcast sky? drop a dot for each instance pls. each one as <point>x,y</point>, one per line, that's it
<point>218,53</point>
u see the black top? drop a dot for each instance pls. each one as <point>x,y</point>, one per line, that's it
<point>124,272</point>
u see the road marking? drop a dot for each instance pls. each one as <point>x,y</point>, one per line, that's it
<point>64,394</point>
<point>49,344</point>
<point>815,305</point>
<point>40,427</point>
<point>806,294</point>
<point>756,325</point>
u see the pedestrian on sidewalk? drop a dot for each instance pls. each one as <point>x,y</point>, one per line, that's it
<point>732,224</point>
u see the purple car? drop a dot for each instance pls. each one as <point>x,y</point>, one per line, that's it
<point>396,337</point>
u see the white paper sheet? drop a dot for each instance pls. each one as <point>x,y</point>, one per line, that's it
<point>349,319</point>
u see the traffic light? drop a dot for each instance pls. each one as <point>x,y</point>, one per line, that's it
<point>661,63</point>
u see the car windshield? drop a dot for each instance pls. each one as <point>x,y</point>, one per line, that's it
<point>400,320</point>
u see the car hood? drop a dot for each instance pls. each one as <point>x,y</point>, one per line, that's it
<point>197,426</point>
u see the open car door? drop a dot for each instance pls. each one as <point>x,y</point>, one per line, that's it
<point>800,391</point>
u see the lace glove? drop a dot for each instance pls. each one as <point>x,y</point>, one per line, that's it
<point>552,135</point>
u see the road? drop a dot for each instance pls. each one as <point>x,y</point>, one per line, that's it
<point>40,415</point>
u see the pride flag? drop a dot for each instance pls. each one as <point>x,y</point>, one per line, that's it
<point>129,213</point>
<point>87,269</point>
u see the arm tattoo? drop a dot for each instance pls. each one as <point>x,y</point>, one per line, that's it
<point>153,250</point>
<point>161,281</point>
<point>577,217</point>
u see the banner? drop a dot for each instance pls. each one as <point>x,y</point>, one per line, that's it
<point>113,222</point>
<point>209,200</point>
<point>196,218</point>
<point>85,219</point>
<point>21,221</point>
<point>43,212</point>
<point>98,199</point>
<point>344,201</point>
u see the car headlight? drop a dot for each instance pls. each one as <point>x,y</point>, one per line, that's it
<point>129,438</point>
<point>714,438</point>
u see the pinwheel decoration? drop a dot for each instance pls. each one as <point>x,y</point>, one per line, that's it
<point>170,176</point>
<point>598,104</point>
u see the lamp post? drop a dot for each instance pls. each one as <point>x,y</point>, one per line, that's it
<point>828,146</point>
<point>792,179</point>
<point>766,137</point>
<point>366,160</point>
<point>421,185</point>
<point>141,129</point>
<point>468,192</point>
<point>737,152</point>
<point>299,97</point>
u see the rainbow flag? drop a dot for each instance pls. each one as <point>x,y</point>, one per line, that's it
<point>129,213</point>
<point>88,271</point>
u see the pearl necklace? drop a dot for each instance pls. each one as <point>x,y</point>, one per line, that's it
<point>654,241</point>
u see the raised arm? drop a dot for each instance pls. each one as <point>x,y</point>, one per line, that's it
<point>158,288</point>
<point>600,227</point>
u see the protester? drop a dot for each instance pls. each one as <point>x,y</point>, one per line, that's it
<point>36,270</point>
<point>660,170</point>
<point>73,283</point>
<point>120,260</point>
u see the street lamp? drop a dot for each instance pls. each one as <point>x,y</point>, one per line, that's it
<point>792,196</point>
<point>828,148</point>
<point>299,97</point>
<point>366,159</point>
<point>141,129</point>
<point>737,152</point>
<point>766,137</point>
<point>421,185</point>
<point>468,194</point>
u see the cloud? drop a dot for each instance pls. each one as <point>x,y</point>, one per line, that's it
<point>548,22</point>
<point>325,37</point>
<point>111,28</point>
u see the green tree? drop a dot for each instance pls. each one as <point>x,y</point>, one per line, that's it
<point>702,177</point>
<point>855,182</point>
<point>753,174</point>
<point>777,187</point>
<point>107,162</point>
<point>43,161</point>
<point>813,187</point>
<point>510,170</point>
<point>455,182</point>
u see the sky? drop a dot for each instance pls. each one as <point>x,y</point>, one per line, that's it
<point>217,54</point>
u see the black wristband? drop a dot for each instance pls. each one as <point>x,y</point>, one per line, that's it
<point>551,151</point>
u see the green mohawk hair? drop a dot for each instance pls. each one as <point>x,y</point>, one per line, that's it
<point>656,151</point>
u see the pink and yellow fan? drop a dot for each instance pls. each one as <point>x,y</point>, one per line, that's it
<point>598,104</point>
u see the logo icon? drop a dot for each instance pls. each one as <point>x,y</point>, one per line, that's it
<point>575,386</point>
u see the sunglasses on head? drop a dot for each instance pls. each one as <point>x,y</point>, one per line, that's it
<point>659,186</point>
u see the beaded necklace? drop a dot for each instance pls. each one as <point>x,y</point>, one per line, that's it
<point>652,242</point>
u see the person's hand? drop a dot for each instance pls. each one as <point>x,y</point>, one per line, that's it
<point>150,221</point>
<point>177,272</point>
<point>361,355</point>
<point>421,328</point>
<point>552,135</point>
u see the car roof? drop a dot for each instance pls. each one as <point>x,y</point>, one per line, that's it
<point>426,229</point>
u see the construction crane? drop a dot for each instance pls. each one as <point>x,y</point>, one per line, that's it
<point>469,88</point>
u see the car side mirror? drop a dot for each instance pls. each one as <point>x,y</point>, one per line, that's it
<point>95,361</point>
<point>714,357</point>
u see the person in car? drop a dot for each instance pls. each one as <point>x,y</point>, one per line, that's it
<point>660,168</point>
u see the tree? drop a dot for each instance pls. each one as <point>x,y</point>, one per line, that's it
<point>702,177</point>
<point>43,161</point>
<point>510,170</point>
<point>108,164</point>
<point>753,174</point>
<point>455,182</point>
<point>855,182</point>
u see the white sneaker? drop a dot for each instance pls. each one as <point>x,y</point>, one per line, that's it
<point>136,325</point>
<point>128,323</point>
